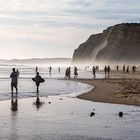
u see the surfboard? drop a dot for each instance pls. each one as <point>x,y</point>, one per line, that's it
<point>41,80</point>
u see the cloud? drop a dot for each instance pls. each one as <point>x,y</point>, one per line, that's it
<point>61,24</point>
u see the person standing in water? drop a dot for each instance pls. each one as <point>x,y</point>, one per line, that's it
<point>59,70</point>
<point>75,72</point>
<point>14,81</point>
<point>36,69</point>
<point>123,69</point>
<point>50,71</point>
<point>17,73</point>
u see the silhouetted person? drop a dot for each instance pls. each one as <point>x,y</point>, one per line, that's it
<point>105,69</point>
<point>134,69</point>
<point>38,79</point>
<point>50,70</point>
<point>69,72</point>
<point>66,73</point>
<point>117,67</point>
<point>59,70</point>
<point>127,70</point>
<point>14,81</point>
<point>123,68</point>
<point>94,72</point>
<point>36,69</point>
<point>97,68</point>
<point>108,70</point>
<point>17,73</point>
<point>75,72</point>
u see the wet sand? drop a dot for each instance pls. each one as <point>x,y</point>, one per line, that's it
<point>67,118</point>
<point>124,90</point>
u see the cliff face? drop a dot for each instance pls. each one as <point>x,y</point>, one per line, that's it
<point>119,43</point>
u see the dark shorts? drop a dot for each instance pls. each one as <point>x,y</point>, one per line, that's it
<point>37,84</point>
<point>14,85</point>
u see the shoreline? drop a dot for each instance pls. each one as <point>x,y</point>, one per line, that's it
<point>109,91</point>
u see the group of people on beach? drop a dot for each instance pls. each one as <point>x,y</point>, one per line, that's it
<point>14,80</point>
<point>68,72</point>
<point>38,79</point>
<point>126,69</point>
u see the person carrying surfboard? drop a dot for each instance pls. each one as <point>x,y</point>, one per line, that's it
<point>38,79</point>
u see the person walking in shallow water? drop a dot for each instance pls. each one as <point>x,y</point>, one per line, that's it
<point>105,70</point>
<point>38,79</point>
<point>108,70</point>
<point>75,72</point>
<point>14,80</point>
<point>123,69</point>
<point>127,69</point>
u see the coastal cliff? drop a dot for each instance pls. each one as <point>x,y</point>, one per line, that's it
<point>119,43</point>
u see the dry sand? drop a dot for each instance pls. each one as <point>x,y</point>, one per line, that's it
<point>125,90</point>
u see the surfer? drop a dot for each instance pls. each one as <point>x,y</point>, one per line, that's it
<point>38,79</point>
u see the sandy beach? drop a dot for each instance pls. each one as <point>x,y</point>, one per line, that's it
<point>123,90</point>
<point>61,115</point>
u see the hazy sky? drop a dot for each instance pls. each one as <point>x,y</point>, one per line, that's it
<point>54,28</point>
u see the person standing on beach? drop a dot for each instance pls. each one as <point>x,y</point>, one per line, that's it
<point>127,69</point>
<point>117,67</point>
<point>69,72</point>
<point>66,73</point>
<point>108,70</point>
<point>75,72</point>
<point>14,80</point>
<point>123,68</point>
<point>94,72</point>
<point>105,69</point>
<point>134,69</point>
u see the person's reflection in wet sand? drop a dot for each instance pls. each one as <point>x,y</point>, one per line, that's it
<point>14,103</point>
<point>38,103</point>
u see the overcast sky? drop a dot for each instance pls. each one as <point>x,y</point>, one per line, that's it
<point>54,28</point>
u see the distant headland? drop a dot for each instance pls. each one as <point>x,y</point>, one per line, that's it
<point>117,44</point>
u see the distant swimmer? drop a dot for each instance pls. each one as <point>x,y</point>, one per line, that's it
<point>38,79</point>
<point>14,81</point>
